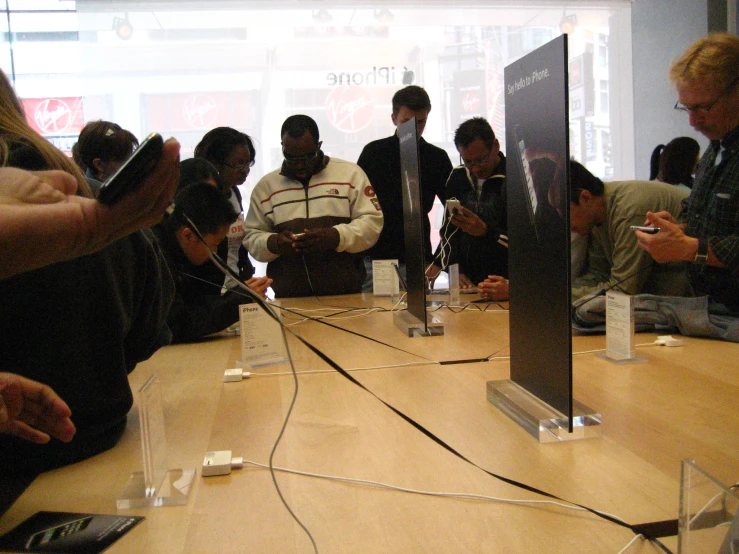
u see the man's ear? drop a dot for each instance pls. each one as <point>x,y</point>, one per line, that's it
<point>186,234</point>
<point>394,117</point>
<point>585,196</point>
<point>97,164</point>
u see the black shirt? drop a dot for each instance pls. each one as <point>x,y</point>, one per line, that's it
<point>380,160</point>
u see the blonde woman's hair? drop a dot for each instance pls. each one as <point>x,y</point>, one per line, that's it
<point>15,128</point>
<point>713,59</point>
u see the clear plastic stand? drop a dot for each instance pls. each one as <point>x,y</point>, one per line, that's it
<point>454,285</point>
<point>157,485</point>
<point>709,514</point>
<point>538,418</point>
<point>620,342</point>
<point>413,327</point>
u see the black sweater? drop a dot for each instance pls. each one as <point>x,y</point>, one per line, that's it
<point>198,308</point>
<point>80,327</point>
<point>477,257</point>
<point>380,160</point>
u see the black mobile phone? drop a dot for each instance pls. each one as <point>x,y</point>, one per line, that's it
<point>43,538</point>
<point>131,175</point>
<point>643,229</point>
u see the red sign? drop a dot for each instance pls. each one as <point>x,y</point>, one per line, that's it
<point>471,102</point>
<point>349,108</point>
<point>185,112</point>
<point>54,116</point>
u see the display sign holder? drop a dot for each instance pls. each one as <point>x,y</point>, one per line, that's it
<point>157,485</point>
<point>709,513</point>
<point>385,278</point>
<point>538,418</point>
<point>414,321</point>
<point>538,395</point>
<point>262,341</point>
<point>453,271</point>
<point>620,341</point>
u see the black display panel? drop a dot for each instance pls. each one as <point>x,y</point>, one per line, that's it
<point>537,144</point>
<point>413,217</point>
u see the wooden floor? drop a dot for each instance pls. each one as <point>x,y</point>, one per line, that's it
<point>680,403</point>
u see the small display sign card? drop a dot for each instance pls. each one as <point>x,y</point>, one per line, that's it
<point>67,532</point>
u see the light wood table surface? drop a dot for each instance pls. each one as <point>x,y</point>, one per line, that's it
<point>680,403</point>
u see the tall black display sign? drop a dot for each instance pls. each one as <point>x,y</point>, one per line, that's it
<point>537,139</point>
<point>412,220</point>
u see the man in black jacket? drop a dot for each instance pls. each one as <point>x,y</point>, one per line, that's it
<point>380,160</point>
<point>475,236</point>
<point>199,308</point>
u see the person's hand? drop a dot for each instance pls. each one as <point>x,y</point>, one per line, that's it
<point>32,411</point>
<point>469,222</point>
<point>664,215</point>
<point>465,283</point>
<point>432,272</point>
<point>44,222</point>
<point>494,287</point>
<point>317,240</point>
<point>281,243</point>
<point>259,285</point>
<point>28,188</point>
<point>670,244</point>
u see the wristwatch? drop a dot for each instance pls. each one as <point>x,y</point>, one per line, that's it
<point>701,256</point>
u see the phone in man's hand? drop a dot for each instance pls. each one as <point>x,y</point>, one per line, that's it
<point>131,175</point>
<point>645,229</point>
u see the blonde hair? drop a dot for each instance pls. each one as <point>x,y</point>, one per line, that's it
<point>713,59</point>
<point>15,128</point>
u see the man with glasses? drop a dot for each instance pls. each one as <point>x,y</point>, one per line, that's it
<point>380,159</point>
<point>311,219</point>
<point>475,236</point>
<point>707,77</point>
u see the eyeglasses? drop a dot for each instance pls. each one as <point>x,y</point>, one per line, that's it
<point>237,167</point>
<point>295,160</point>
<point>479,162</point>
<point>706,108</point>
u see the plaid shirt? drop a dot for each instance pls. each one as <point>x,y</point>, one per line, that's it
<point>712,211</point>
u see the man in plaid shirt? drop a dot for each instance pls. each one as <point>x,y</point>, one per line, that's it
<point>707,80</point>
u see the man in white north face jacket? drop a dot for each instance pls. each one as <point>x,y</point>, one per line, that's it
<point>311,218</point>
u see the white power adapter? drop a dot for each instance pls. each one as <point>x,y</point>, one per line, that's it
<point>220,462</point>
<point>668,340</point>
<point>235,375</point>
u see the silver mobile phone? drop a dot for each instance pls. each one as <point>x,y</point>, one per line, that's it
<point>643,229</point>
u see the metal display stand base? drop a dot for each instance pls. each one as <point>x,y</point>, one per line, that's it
<point>538,418</point>
<point>174,490</point>
<point>415,328</point>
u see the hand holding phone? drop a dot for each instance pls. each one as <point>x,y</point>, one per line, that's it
<point>131,175</point>
<point>646,229</point>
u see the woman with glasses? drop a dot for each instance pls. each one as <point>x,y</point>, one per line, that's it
<point>232,153</point>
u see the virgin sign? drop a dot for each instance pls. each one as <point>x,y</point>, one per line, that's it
<point>200,111</point>
<point>349,108</point>
<point>54,116</point>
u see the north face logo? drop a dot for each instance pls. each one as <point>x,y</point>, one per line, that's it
<point>335,192</point>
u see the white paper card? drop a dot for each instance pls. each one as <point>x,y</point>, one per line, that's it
<point>619,326</point>
<point>385,280</point>
<point>262,342</point>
